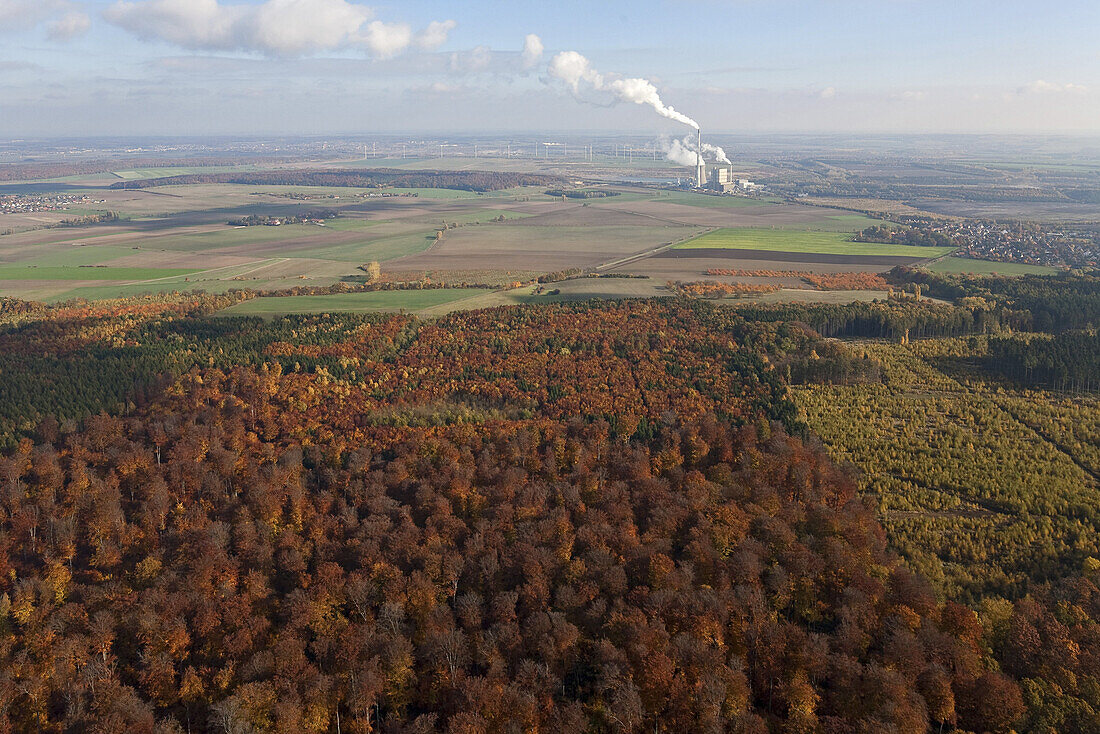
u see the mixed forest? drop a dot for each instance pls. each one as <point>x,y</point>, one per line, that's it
<point>636,516</point>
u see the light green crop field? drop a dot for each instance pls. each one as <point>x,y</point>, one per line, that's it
<point>50,255</point>
<point>348,224</point>
<point>956,265</point>
<point>374,301</point>
<point>30,272</point>
<point>846,223</point>
<point>706,201</point>
<point>793,240</point>
<point>167,171</point>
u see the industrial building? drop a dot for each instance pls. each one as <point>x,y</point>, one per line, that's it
<point>722,179</point>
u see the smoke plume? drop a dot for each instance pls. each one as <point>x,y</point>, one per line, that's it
<point>682,152</point>
<point>576,71</point>
<point>719,154</point>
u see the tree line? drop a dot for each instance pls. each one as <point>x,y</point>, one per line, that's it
<point>367,178</point>
<point>1066,361</point>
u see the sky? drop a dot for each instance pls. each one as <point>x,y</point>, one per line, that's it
<point>327,67</point>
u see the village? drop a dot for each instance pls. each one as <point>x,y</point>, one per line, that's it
<point>35,203</point>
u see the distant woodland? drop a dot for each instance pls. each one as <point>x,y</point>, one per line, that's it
<point>588,517</point>
<point>44,170</point>
<point>376,178</point>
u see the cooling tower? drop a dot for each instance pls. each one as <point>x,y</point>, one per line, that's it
<point>701,166</point>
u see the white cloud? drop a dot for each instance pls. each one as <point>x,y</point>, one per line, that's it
<point>532,51</point>
<point>69,26</point>
<point>18,15</point>
<point>287,28</point>
<point>1040,86</point>
<point>478,59</point>
<point>828,93</point>
<point>294,27</point>
<point>22,13</point>
<point>189,23</point>
<point>386,40</point>
<point>435,35</point>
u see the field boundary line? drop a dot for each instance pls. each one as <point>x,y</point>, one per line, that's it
<point>650,253</point>
<point>197,272</point>
<point>273,261</point>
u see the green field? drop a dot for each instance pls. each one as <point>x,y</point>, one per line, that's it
<point>30,272</point>
<point>794,240</point>
<point>704,200</point>
<point>375,301</point>
<point>167,171</point>
<point>846,223</point>
<point>348,224</point>
<point>50,255</point>
<point>956,265</point>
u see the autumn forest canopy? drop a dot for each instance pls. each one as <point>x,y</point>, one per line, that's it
<point>627,516</point>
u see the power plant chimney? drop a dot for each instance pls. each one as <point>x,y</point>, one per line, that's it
<point>701,166</point>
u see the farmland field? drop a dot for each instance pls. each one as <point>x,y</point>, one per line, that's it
<point>522,246</point>
<point>804,241</point>
<point>165,172</point>
<point>951,265</point>
<point>705,200</point>
<point>24,272</point>
<point>178,238</point>
<point>410,300</point>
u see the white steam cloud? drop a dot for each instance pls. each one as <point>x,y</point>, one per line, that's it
<point>281,28</point>
<point>576,71</point>
<point>717,152</point>
<point>684,153</point>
